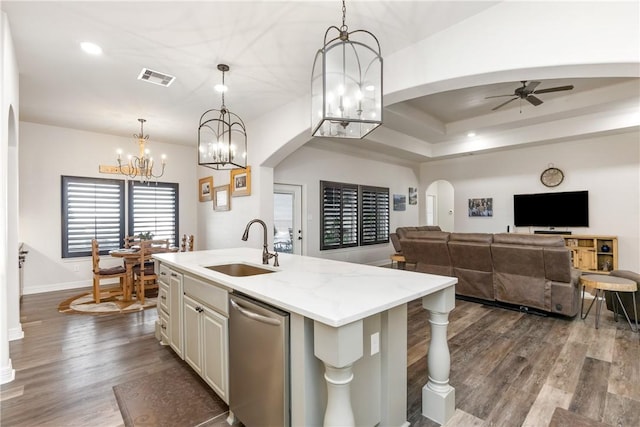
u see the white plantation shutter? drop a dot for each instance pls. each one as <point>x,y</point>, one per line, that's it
<point>374,215</point>
<point>92,208</point>
<point>153,207</point>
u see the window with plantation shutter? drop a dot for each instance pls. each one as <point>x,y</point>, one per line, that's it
<point>153,207</point>
<point>374,215</point>
<point>92,208</point>
<point>339,212</point>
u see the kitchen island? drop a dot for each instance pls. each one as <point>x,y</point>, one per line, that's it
<point>352,318</point>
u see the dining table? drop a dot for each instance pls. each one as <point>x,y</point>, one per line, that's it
<point>131,257</point>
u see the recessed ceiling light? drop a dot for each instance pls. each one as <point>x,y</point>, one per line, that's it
<point>471,134</point>
<point>91,48</point>
<point>220,88</point>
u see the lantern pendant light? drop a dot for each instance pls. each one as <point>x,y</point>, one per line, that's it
<point>222,137</point>
<point>346,84</point>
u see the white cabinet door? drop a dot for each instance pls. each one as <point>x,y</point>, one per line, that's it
<point>192,334</point>
<point>215,343</point>
<point>176,311</point>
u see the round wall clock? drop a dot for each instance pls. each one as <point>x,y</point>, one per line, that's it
<point>551,177</point>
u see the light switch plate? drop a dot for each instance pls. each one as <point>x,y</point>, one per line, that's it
<point>375,343</point>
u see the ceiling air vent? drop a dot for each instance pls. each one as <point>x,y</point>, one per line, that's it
<point>156,77</point>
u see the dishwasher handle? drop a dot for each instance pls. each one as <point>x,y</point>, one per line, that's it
<point>255,316</point>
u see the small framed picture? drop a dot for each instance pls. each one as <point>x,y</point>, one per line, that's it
<point>413,196</point>
<point>481,207</point>
<point>399,202</point>
<point>221,198</point>
<point>241,182</point>
<point>205,187</point>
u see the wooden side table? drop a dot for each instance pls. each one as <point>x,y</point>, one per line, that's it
<point>613,284</point>
<point>399,259</point>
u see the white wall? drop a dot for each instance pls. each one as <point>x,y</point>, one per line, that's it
<point>308,166</point>
<point>10,327</point>
<point>608,167</point>
<point>46,153</point>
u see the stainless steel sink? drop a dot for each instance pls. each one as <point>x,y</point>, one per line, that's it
<point>239,269</point>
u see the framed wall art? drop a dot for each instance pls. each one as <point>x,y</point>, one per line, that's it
<point>399,202</point>
<point>204,188</point>
<point>221,198</point>
<point>481,207</point>
<point>413,195</point>
<point>241,182</point>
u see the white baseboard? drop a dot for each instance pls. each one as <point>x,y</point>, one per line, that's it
<point>7,373</point>
<point>16,333</point>
<point>39,289</point>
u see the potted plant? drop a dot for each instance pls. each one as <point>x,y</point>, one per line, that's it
<point>146,235</point>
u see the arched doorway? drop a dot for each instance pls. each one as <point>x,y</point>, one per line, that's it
<point>439,205</point>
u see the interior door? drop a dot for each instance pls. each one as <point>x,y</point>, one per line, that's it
<point>287,218</point>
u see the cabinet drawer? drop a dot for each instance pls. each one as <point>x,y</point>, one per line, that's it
<point>163,319</point>
<point>164,274</point>
<point>207,293</point>
<point>163,297</point>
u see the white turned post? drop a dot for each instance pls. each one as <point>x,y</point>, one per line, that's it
<point>338,348</point>
<point>438,397</point>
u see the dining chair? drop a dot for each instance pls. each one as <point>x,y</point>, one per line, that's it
<point>105,273</point>
<point>130,241</point>
<point>144,274</point>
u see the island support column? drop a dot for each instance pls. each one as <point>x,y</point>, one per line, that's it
<point>338,348</point>
<point>438,397</point>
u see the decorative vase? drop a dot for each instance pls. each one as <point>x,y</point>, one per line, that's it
<point>605,248</point>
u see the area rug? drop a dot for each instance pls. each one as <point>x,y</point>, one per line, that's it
<point>174,397</point>
<point>109,303</point>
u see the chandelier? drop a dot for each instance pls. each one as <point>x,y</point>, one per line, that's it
<point>222,137</point>
<point>142,165</point>
<point>346,84</point>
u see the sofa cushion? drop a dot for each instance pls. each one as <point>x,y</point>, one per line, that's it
<point>528,239</point>
<point>557,264</point>
<point>519,275</point>
<point>431,235</point>
<point>626,274</point>
<point>471,237</point>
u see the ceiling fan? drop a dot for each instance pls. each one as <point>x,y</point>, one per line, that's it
<point>527,91</point>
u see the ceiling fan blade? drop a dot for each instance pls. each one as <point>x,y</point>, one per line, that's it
<point>504,103</point>
<point>533,100</point>
<point>497,96</point>
<point>554,89</point>
<point>531,86</point>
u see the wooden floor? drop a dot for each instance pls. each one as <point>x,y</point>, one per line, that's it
<point>508,368</point>
<point>513,369</point>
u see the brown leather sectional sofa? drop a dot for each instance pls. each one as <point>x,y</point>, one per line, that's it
<point>522,269</point>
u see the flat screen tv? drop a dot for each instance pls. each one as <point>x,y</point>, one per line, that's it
<point>568,209</point>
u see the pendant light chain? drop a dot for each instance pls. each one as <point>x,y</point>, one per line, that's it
<point>223,108</point>
<point>344,16</point>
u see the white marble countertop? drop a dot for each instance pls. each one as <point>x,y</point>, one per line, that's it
<point>335,293</point>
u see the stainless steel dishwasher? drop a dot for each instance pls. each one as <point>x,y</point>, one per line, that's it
<point>258,362</point>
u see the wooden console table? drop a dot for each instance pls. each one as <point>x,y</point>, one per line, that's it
<point>591,253</point>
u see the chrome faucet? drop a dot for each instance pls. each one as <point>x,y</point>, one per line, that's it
<point>265,252</point>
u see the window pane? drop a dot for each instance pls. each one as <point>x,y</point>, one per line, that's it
<point>283,222</point>
<point>92,208</point>
<point>374,202</point>
<point>153,207</point>
<point>339,211</point>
